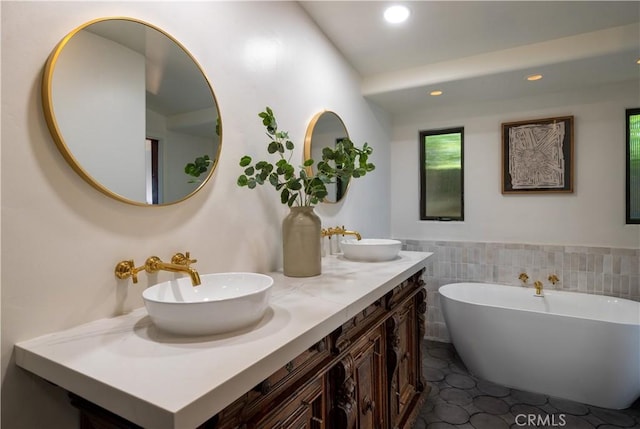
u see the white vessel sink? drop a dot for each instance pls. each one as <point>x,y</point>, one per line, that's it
<point>370,249</point>
<point>224,302</point>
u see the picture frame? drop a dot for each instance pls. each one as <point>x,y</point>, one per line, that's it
<point>537,156</point>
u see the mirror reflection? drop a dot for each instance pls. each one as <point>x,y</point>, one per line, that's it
<point>325,130</point>
<point>130,108</point>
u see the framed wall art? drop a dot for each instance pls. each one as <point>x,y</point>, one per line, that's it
<point>537,156</point>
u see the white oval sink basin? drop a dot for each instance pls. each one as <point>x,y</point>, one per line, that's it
<point>371,249</point>
<point>224,302</point>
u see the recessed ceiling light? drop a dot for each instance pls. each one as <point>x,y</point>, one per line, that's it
<point>533,77</point>
<point>396,14</point>
<point>638,62</point>
<point>436,92</point>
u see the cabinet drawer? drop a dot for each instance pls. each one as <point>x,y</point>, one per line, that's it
<point>344,336</point>
<point>403,290</point>
<point>305,409</point>
<point>271,388</point>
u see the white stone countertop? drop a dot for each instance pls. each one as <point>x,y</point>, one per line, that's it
<point>161,381</point>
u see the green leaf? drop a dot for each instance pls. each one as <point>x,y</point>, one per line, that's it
<point>308,163</point>
<point>328,153</point>
<point>245,160</point>
<point>294,184</point>
<point>289,144</point>
<point>242,180</point>
<point>273,147</point>
<point>292,199</point>
<point>251,183</point>
<point>249,171</point>
<point>284,196</point>
<point>190,169</point>
<point>273,179</point>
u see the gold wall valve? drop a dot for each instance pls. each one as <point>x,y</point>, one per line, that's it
<point>183,259</point>
<point>553,279</point>
<point>524,278</point>
<point>126,269</point>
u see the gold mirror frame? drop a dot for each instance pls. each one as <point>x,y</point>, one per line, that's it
<point>54,128</point>
<point>309,150</point>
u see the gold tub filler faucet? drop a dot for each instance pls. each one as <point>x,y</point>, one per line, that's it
<point>538,285</point>
<point>524,278</point>
<point>180,263</point>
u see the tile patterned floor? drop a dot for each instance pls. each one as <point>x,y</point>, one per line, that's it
<point>461,401</point>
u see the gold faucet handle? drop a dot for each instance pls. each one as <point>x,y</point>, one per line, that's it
<point>553,279</point>
<point>183,259</point>
<point>524,278</point>
<point>126,269</point>
<point>151,265</point>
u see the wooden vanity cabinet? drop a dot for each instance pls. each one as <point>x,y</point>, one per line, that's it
<point>365,375</point>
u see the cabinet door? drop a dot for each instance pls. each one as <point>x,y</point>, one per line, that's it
<point>404,362</point>
<point>406,365</point>
<point>358,399</point>
<point>370,395</point>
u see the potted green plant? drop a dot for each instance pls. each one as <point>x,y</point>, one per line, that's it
<point>301,189</point>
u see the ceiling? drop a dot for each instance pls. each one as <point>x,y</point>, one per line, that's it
<point>475,51</point>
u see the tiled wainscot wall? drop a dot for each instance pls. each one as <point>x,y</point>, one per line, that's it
<point>597,270</point>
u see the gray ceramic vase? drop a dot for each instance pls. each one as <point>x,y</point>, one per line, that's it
<point>301,243</point>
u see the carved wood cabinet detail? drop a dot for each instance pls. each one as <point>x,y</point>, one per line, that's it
<point>365,375</point>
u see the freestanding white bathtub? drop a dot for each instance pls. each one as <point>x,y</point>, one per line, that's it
<point>576,346</point>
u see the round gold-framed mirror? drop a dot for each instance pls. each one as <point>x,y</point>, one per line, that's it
<point>325,129</point>
<point>132,111</point>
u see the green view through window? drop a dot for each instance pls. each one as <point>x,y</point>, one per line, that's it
<point>441,174</point>
<point>633,165</point>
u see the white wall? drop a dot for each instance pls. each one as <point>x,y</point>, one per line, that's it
<point>594,215</point>
<point>61,238</point>
<point>178,150</point>
<point>83,93</point>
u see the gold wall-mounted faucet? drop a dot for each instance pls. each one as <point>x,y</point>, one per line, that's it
<point>180,263</point>
<point>339,230</point>
<point>538,285</point>
<point>553,279</point>
<point>524,278</point>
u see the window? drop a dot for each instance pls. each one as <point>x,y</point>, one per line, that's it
<point>441,174</point>
<point>633,165</point>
